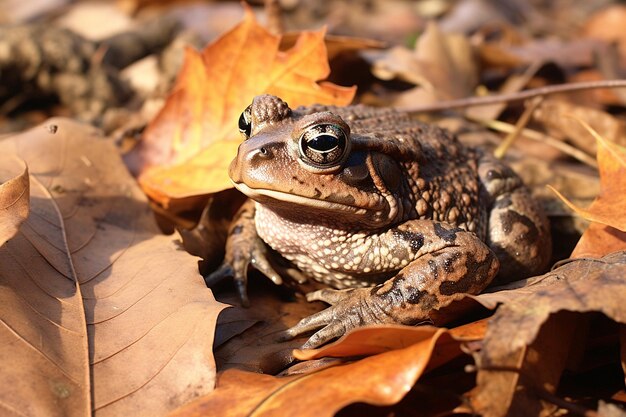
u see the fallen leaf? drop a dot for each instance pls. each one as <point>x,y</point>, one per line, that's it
<point>246,338</point>
<point>371,340</point>
<point>530,338</point>
<point>565,54</point>
<point>514,83</point>
<point>381,379</point>
<point>187,148</point>
<point>44,355</point>
<point>14,196</point>
<point>609,207</point>
<point>140,302</point>
<point>607,25</point>
<point>598,240</point>
<point>557,116</point>
<point>606,97</point>
<point>335,44</point>
<point>441,65</point>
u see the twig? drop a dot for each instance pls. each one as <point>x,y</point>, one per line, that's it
<point>519,96</point>
<point>274,16</point>
<point>519,126</point>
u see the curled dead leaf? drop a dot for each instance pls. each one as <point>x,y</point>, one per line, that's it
<point>43,354</point>
<point>609,207</point>
<point>14,196</point>
<point>598,240</point>
<point>107,306</point>
<point>381,379</point>
<point>531,337</point>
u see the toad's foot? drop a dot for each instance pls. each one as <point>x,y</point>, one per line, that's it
<point>244,249</point>
<point>236,264</point>
<point>349,309</point>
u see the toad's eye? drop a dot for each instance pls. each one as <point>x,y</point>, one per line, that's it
<point>245,122</point>
<point>323,145</point>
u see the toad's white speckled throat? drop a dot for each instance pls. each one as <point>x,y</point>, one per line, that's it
<point>321,249</point>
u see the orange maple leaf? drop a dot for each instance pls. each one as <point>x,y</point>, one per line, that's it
<point>185,151</point>
<point>607,232</point>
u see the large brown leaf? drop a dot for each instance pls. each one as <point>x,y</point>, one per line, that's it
<point>532,337</point>
<point>43,353</point>
<point>149,316</point>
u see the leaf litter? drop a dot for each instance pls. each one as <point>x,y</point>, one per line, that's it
<point>88,224</point>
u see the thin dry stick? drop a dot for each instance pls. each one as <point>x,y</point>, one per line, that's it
<point>540,137</point>
<point>519,96</point>
<point>274,16</point>
<point>519,126</point>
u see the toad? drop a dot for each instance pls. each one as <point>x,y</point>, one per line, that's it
<point>395,217</point>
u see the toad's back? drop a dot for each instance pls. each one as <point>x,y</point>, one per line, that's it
<point>441,174</point>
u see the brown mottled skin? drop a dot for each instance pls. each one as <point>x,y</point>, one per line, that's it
<point>397,216</point>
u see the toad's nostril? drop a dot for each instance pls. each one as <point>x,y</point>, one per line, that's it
<point>264,151</point>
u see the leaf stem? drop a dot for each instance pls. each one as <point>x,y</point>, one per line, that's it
<point>519,127</point>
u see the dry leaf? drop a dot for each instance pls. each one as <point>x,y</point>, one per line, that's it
<point>246,337</point>
<point>607,25</point>
<point>187,148</point>
<point>14,196</point>
<point>208,238</point>
<point>566,54</point>
<point>335,44</point>
<point>514,83</point>
<point>43,354</point>
<point>140,303</point>
<point>382,379</point>
<point>535,334</point>
<point>598,240</point>
<point>553,113</point>
<point>609,208</point>
<point>442,66</point>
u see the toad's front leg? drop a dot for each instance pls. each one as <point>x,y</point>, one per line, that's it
<point>445,261</point>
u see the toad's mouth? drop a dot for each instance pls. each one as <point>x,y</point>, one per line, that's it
<point>261,193</point>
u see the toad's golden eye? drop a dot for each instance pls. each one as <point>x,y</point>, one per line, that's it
<point>323,145</point>
<point>245,122</point>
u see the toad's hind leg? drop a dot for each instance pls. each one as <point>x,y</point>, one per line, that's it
<point>519,232</point>
<point>447,261</point>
